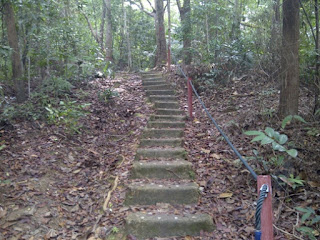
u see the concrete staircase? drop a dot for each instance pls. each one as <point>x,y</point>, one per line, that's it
<point>161,174</point>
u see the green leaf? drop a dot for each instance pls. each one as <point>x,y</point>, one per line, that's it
<point>305,229</point>
<point>253,133</point>
<point>269,131</point>
<point>283,139</point>
<point>297,117</point>
<point>286,121</point>
<point>292,152</point>
<point>305,210</point>
<point>278,147</point>
<point>276,136</point>
<point>315,220</point>
<point>258,138</point>
<point>267,140</point>
<point>305,217</point>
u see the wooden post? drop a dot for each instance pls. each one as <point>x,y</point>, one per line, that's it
<point>189,98</point>
<point>266,212</point>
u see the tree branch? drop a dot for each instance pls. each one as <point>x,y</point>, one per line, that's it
<point>308,20</point>
<point>90,27</point>
<point>150,5</point>
<point>140,6</point>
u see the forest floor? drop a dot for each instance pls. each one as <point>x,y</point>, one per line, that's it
<point>54,186</point>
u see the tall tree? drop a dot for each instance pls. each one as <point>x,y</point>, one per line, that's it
<point>185,16</point>
<point>317,75</point>
<point>275,39</point>
<point>158,14</point>
<point>161,56</point>
<point>289,89</point>
<point>235,29</point>
<point>13,39</point>
<point>109,45</point>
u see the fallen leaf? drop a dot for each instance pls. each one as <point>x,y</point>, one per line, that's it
<point>205,150</point>
<point>76,171</point>
<point>314,184</point>
<point>216,156</point>
<point>225,195</point>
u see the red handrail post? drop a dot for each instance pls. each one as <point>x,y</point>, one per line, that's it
<point>266,212</point>
<point>190,98</point>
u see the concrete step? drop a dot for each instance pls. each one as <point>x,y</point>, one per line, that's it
<point>151,83</point>
<point>162,133</point>
<point>166,118</point>
<point>161,225</point>
<point>152,74</point>
<point>162,124</point>
<point>169,142</point>
<point>162,98</point>
<point>151,194</point>
<point>167,104</point>
<point>154,153</point>
<point>159,92</point>
<point>155,79</point>
<point>166,111</point>
<point>158,87</point>
<point>176,169</point>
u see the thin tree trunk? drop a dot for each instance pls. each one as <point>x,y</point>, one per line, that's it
<point>103,19</point>
<point>275,39</point>
<point>13,39</point>
<point>109,45</point>
<point>317,82</point>
<point>169,37</point>
<point>127,34</point>
<point>185,16</point>
<point>235,30</point>
<point>289,89</point>
<point>161,56</point>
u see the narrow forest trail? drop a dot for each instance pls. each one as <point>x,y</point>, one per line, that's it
<point>161,174</point>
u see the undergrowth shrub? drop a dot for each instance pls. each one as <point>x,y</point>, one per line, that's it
<point>56,87</point>
<point>107,95</point>
<point>67,115</point>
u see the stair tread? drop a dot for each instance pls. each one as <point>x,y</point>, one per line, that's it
<point>144,225</point>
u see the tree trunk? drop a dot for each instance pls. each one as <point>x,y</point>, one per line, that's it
<point>161,56</point>
<point>317,81</point>
<point>103,19</point>
<point>185,16</point>
<point>289,89</point>
<point>127,35</point>
<point>109,44</point>
<point>235,29</point>
<point>13,40</point>
<point>275,40</point>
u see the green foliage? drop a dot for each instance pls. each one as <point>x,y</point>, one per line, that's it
<point>107,95</point>
<point>115,230</point>
<point>108,70</point>
<point>67,115</point>
<point>292,181</point>
<point>2,145</point>
<point>56,87</point>
<point>288,119</point>
<point>311,223</point>
<point>270,136</point>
